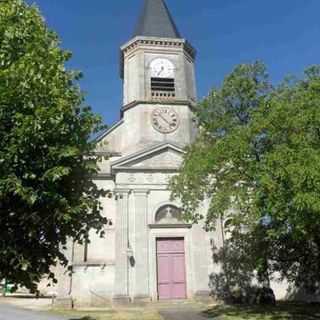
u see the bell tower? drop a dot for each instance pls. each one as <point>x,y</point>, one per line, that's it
<point>157,68</point>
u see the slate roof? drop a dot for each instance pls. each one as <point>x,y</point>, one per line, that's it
<point>156,21</point>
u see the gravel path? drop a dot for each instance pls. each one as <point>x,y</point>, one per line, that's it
<point>9,312</point>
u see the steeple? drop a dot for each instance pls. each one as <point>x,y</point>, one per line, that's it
<point>156,21</point>
<point>157,64</point>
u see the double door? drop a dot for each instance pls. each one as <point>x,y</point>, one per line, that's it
<point>171,269</point>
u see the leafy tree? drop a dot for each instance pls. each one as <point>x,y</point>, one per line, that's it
<point>257,160</point>
<point>46,194</point>
<point>289,176</point>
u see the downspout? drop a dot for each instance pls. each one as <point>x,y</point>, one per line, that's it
<point>71,275</point>
<point>128,247</point>
<point>222,231</point>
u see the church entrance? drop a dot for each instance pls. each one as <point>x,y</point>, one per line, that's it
<point>171,268</point>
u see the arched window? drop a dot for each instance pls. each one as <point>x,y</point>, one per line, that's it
<point>168,214</point>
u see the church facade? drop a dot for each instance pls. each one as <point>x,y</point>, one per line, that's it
<point>149,253</point>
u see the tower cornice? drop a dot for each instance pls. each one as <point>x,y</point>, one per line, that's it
<point>156,41</point>
<point>138,41</point>
<point>192,104</point>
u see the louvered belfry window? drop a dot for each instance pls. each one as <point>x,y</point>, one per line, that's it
<point>163,87</point>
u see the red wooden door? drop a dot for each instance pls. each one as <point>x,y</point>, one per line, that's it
<point>171,269</point>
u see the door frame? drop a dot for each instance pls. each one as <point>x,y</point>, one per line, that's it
<point>153,274</point>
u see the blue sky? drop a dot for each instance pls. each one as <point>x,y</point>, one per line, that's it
<point>285,34</point>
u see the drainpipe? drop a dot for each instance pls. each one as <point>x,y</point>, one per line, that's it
<point>222,230</point>
<point>128,244</point>
<point>71,275</point>
<point>4,288</point>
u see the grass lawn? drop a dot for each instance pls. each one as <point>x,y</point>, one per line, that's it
<point>282,311</point>
<point>112,315</point>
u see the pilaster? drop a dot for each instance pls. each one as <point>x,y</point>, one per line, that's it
<point>142,288</point>
<point>121,285</point>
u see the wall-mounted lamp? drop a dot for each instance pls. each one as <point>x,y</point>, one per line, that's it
<point>131,258</point>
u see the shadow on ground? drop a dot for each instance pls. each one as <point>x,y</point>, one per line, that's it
<point>98,315</point>
<point>83,318</point>
<point>283,311</point>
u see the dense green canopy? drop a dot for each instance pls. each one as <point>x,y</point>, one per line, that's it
<point>46,194</point>
<point>257,159</point>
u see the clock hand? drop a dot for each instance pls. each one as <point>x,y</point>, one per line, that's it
<point>163,118</point>
<point>159,73</point>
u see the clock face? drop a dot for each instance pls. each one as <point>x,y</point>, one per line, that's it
<point>165,120</point>
<point>162,68</point>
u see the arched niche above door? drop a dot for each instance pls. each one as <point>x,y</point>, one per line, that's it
<point>169,216</point>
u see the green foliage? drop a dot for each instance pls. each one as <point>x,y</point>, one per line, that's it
<point>257,160</point>
<point>215,163</point>
<point>46,195</point>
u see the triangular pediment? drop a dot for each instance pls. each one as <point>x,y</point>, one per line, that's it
<point>164,156</point>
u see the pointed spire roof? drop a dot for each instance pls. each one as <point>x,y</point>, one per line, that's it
<point>156,21</point>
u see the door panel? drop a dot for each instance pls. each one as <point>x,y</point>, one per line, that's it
<point>178,271</point>
<point>171,269</point>
<point>164,282</point>
<point>164,268</point>
<point>178,291</point>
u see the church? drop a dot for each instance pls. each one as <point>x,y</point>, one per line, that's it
<point>148,253</point>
